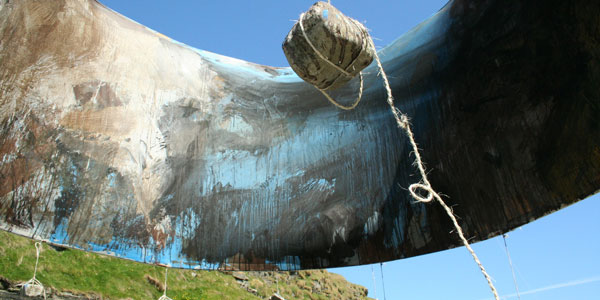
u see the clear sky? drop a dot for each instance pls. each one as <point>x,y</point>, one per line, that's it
<point>555,258</point>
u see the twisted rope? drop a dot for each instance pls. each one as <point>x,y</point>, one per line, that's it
<point>404,123</point>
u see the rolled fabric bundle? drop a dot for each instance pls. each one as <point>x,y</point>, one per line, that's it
<point>326,48</point>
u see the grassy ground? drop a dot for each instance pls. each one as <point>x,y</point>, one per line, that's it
<point>106,277</point>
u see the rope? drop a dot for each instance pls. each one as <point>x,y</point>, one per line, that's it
<point>33,281</point>
<point>403,122</point>
<point>382,281</point>
<point>511,267</point>
<point>320,55</point>
<point>337,104</point>
<point>37,257</point>
<point>164,296</point>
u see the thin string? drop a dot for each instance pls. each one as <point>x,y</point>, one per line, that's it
<point>164,296</point>
<point>320,55</point>
<point>277,282</point>
<point>404,123</point>
<point>511,267</point>
<point>382,281</point>
<point>33,281</point>
<point>38,245</point>
<point>374,283</point>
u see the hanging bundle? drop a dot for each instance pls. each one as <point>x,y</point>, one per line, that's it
<point>327,49</point>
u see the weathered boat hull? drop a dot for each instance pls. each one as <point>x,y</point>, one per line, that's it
<point>117,139</point>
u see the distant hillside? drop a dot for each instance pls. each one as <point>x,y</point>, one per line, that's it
<point>74,274</point>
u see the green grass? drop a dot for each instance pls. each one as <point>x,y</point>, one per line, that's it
<point>112,278</point>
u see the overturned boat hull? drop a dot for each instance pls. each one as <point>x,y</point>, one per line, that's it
<point>116,139</point>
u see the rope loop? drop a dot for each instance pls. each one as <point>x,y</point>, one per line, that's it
<point>415,187</point>
<point>341,106</point>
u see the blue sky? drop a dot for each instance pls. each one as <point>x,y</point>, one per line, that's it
<point>554,258</point>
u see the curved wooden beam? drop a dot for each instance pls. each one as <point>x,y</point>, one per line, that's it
<point>116,139</point>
